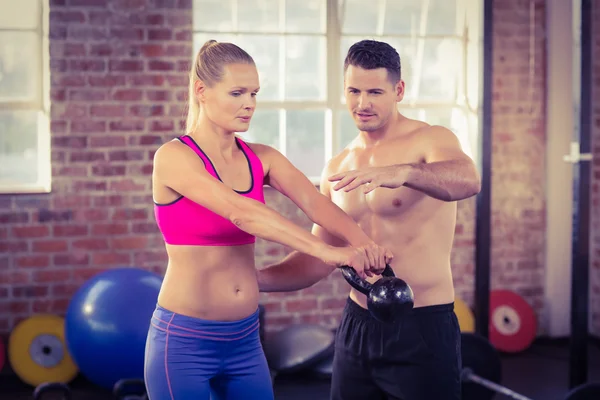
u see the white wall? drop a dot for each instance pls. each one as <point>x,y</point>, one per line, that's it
<point>561,122</point>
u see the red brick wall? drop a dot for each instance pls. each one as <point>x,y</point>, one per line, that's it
<point>518,172</point>
<point>118,87</point>
<point>595,223</point>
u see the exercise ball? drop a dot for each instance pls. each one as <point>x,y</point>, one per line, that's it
<point>107,322</point>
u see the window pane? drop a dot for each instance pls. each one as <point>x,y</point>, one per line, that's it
<point>264,128</point>
<point>400,17</point>
<point>347,130</point>
<point>431,67</point>
<point>298,16</point>
<point>258,15</point>
<point>417,17</point>
<point>22,14</point>
<point>305,16</point>
<point>264,49</point>
<point>213,15</point>
<point>359,18</point>
<point>306,68</point>
<point>18,147</point>
<point>453,118</point>
<point>19,66</point>
<point>305,140</point>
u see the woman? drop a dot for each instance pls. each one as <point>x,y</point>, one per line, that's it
<point>209,206</point>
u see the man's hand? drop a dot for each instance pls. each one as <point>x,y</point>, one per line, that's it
<point>391,177</point>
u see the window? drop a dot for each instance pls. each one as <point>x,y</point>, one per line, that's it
<point>299,47</point>
<point>24,106</point>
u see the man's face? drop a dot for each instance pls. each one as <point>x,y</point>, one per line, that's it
<point>371,97</point>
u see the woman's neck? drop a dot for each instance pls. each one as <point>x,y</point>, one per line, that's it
<point>214,139</point>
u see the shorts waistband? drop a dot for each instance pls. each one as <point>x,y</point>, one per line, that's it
<point>184,325</point>
<point>357,311</point>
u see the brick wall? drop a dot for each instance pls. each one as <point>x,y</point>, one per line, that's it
<point>118,87</point>
<point>518,172</point>
<point>595,223</point>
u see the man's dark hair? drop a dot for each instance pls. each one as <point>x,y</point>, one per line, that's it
<point>371,54</point>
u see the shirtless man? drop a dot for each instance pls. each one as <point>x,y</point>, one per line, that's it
<point>399,180</point>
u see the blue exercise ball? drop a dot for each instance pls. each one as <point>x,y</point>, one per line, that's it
<point>107,322</point>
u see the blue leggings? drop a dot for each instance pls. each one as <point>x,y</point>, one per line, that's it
<point>191,358</point>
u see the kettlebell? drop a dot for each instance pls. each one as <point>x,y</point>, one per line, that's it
<point>388,298</point>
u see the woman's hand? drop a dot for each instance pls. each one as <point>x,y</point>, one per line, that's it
<point>378,258</point>
<point>365,260</point>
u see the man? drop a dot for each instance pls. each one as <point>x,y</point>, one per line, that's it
<point>400,180</point>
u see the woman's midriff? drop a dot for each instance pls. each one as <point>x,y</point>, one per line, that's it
<point>214,283</point>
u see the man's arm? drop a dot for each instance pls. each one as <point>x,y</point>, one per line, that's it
<point>318,207</point>
<point>446,174</point>
<point>299,270</point>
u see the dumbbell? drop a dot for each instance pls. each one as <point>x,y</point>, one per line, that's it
<point>52,390</point>
<point>130,389</point>
<point>387,298</point>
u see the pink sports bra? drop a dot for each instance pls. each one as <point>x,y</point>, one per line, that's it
<point>185,222</point>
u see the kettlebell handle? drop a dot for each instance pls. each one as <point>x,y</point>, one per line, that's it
<point>360,284</point>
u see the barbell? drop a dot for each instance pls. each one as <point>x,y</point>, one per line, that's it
<point>482,373</point>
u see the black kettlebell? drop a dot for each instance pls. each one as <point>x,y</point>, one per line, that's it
<point>52,390</point>
<point>387,298</point>
<point>130,389</point>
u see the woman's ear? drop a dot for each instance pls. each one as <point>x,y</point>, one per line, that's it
<point>200,91</point>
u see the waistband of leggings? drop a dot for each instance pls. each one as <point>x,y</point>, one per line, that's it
<point>184,325</point>
<point>356,311</point>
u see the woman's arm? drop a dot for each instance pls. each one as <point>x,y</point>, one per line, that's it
<point>291,182</point>
<point>297,270</point>
<point>178,168</point>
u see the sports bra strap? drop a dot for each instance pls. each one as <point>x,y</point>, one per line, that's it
<point>194,146</point>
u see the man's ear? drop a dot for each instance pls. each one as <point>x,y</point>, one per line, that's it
<point>400,90</point>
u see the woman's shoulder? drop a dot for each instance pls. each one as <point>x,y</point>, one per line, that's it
<point>260,149</point>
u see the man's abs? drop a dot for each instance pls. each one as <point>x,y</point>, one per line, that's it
<point>215,283</point>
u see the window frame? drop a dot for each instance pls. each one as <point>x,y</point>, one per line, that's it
<point>470,17</point>
<point>41,105</point>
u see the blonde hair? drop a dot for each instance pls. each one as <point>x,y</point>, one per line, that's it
<point>208,67</point>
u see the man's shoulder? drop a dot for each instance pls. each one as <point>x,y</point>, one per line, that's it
<point>333,165</point>
<point>425,129</point>
<point>422,131</point>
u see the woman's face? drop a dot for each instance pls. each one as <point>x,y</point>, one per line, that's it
<point>230,103</point>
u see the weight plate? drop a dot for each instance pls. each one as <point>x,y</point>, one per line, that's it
<point>466,319</point>
<point>46,350</point>
<point>513,325</point>
<point>481,357</point>
<point>2,354</point>
<point>38,353</point>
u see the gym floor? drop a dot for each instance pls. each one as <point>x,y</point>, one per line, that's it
<point>541,372</point>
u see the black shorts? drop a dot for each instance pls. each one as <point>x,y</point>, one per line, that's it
<point>416,358</point>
